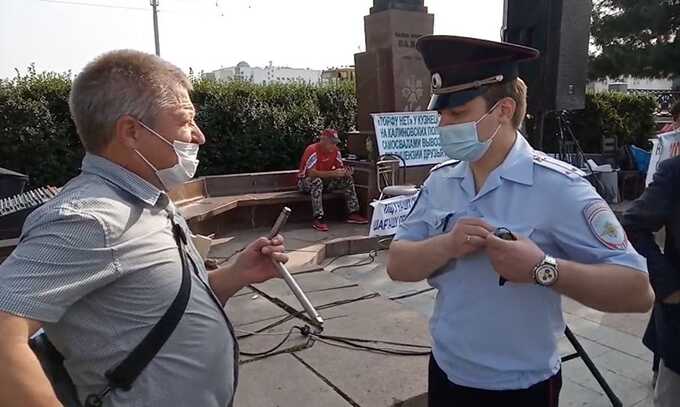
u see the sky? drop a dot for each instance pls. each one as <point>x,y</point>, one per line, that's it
<point>63,35</point>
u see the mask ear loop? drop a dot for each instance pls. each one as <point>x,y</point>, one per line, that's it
<point>153,167</point>
<point>145,160</point>
<point>152,131</point>
<point>487,113</point>
<point>495,133</point>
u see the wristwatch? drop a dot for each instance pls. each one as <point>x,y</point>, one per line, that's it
<point>546,272</point>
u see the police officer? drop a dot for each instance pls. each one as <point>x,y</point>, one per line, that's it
<point>496,345</point>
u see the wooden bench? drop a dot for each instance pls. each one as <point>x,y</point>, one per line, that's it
<point>216,204</point>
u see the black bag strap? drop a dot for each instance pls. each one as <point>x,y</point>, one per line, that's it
<point>126,372</point>
<point>52,363</point>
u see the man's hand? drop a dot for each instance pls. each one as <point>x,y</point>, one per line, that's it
<point>514,260</point>
<point>340,173</point>
<point>254,264</point>
<point>22,380</point>
<point>468,236</point>
<point>673,298</point>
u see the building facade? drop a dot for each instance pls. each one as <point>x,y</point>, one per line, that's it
<point>629,83</point>
<point>334,75</point>
<point>269,74</point>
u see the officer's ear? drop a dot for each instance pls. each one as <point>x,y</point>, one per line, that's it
<point>505,110</point>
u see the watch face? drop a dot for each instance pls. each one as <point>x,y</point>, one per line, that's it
<point>546,275</point>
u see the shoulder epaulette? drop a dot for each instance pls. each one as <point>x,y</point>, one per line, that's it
<point>556,165</point>
<point>448,163</point>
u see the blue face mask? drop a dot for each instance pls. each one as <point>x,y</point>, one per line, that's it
<point>461,141</point>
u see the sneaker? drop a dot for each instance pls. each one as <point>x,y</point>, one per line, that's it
<point>320,225</point>
<point>357,219</point>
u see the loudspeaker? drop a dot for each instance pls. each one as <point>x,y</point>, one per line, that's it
<point>560,30</point>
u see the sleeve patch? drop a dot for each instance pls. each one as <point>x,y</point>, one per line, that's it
<point>605,226</point>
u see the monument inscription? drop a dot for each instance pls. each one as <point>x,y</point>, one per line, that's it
<point>407,5</point>
<point>391,75</point>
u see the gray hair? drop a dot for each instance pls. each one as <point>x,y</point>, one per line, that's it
<point>118,83</point>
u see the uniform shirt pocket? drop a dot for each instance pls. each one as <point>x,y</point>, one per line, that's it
<point>439,222</point>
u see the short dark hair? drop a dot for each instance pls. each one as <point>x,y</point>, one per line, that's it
<point>675,111</point>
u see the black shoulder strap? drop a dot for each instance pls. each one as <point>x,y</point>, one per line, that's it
<point>126,372</point>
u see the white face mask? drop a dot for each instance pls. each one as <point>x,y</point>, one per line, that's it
<point>187,162</point>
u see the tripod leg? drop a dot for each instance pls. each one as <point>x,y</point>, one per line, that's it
<point>540,127</point>
<point>593,369</point>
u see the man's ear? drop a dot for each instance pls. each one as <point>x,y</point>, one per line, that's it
<point>127,131</point>
<point>507,108</point>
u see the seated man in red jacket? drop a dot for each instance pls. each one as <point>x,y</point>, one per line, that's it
<point>322,169</point>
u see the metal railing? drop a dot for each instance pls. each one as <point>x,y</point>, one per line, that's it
<point>664,99</point>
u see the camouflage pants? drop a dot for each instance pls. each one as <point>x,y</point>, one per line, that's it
<point>316,187</point>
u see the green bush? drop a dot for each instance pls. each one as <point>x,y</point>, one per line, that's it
<point>37,136</point>
<point>248,127</point>
<point>628,118</point>
<point>252,128</point>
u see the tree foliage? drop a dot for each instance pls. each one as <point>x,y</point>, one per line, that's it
<point>635,37</point>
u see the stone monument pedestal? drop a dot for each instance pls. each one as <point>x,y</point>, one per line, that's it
<point>391,75</point>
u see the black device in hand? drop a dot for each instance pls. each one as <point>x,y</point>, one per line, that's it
<point>505,234</point>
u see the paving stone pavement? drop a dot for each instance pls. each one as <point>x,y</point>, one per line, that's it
<point>345,378</point>
<point>613,341</point>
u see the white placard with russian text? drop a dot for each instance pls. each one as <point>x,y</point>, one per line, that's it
<point>389,213</point>
<point>411,135</point>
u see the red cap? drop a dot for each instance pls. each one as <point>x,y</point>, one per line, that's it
<point>330,134</point>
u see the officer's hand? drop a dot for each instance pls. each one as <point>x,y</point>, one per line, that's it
<point>468,236</point>
<point>514,260</point>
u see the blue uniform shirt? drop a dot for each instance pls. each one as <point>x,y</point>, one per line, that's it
<point>500,338</point>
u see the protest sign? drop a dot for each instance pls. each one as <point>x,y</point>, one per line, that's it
<point>388,214</point>
<point>666,146</point>
<point>411,135</point>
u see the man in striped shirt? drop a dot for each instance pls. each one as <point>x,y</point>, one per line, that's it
<point>322,169</point>
<point>98,265</point>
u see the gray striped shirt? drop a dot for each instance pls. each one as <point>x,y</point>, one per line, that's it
<point>98,265</point>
